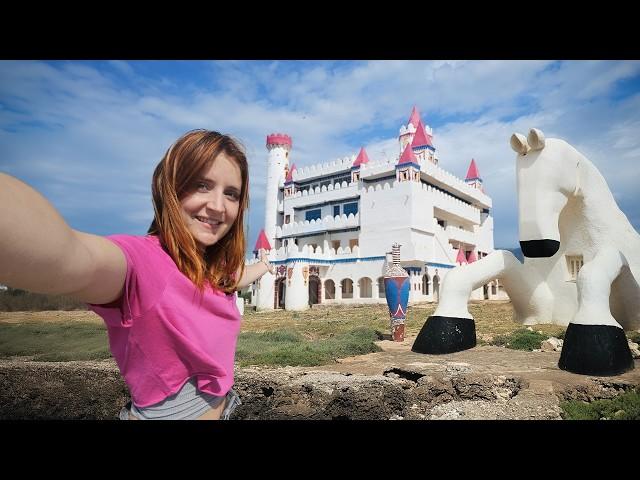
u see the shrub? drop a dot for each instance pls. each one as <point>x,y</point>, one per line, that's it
<point>521,339</point>
<point>623,407</point>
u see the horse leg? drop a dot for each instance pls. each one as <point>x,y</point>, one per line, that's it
<point>595,343</point>
<point>451,328</point>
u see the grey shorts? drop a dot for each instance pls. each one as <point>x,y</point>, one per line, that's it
<point>232,399</point>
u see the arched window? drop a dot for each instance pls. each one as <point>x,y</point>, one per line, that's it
<point>493,288</point>
<point>425,284</point>
<point>436,287</point>
<point>347,288</point>
<point>329,290</point>
<point>365,287</point>
<point>381,292</point>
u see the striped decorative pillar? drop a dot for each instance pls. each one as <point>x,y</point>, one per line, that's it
<point>396,285</point>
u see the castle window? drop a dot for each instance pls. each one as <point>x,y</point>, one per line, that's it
<point>353,243</point>
<point>350,208</point>
<point>336,210</point>
<point>574,263</point>
<point>287,219</point>
<point>312,214</point>
<point>335,244</point>
<point>347,288</point>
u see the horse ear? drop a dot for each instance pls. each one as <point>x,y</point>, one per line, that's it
<point>519,144</point>
<point>536,139</point>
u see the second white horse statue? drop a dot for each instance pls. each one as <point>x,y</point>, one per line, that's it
<point>569,223</point>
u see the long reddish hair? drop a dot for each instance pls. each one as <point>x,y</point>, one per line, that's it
<point>192,154</point>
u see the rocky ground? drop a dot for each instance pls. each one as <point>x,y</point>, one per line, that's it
<point>485,382</point>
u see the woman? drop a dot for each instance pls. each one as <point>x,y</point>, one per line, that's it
<point>167,298</point>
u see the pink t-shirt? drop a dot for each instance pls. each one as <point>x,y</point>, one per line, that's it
<point>163,332</point>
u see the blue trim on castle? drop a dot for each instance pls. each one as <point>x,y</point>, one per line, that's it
<point>424,147</point>
<point>327,262</point>
<point>439,265</point>
<point>402,165</point>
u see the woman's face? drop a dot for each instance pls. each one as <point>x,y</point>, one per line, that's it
<point>212,203</point>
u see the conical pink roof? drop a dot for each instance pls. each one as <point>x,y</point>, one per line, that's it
<point>420,139</point>
<point>361,158</point>
<point>473,171</point>
<point>407,156</point>
<point>414,119</point>
<point>262,242</point>
<point>460,259</point>
<point>472,257</point>
<point>290,174</point>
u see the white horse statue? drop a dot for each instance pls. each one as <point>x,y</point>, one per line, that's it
<point>568,221</point>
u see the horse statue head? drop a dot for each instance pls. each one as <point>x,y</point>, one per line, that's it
<point>547,176</point>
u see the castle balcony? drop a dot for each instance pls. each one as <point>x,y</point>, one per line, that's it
<point>323,194</point>
<point>323,169</point>
<point>326,256</point>
<point>447,180</point>
<point>326,224</point>
<point>459,235</point>
<point>454,206</point>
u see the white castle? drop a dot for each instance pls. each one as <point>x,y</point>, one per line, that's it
<point>329,228</point>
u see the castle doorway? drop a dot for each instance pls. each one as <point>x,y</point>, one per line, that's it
<point>279,293</point>
<point>314,290</point>
<point>436,288</point>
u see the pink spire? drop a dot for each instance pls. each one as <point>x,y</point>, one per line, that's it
<point>407,156</point>
<point>414,119</point>
<point>421,138</point>
<point>362,158</point>
<point>472,257</point>
<point>262,242</point>
<point>290,174</point>
<point>460,259</point>
<point>473,171</point>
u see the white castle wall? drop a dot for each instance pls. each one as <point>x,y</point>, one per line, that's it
<point>276,162</point>
<point>323,169</point>
<point>327,223</point>
<point>320,195</point>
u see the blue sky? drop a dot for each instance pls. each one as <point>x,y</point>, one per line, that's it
<point>88,134</point>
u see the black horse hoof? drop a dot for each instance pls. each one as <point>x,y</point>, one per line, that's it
<point>600,350</point>
<point>445,335</point>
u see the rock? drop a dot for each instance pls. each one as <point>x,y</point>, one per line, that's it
<point>552,344</point>
<point>635,351</point>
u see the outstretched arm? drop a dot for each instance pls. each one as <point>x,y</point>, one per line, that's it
<point>41,253</point>
<point>255,271</point>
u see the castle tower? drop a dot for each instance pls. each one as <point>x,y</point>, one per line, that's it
<point>279,145</point>
<point>407,133</point>
<point>361,159</point>
<point>407,168</point>
<point>422,144</point>
<point>473,178</point>
<point>297,297</point>
<point>265,284</point>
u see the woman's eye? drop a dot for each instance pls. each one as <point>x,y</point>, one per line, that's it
<point>202,187</point>
<point>234,195</point>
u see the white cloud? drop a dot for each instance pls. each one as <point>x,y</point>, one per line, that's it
<point>78,130</point>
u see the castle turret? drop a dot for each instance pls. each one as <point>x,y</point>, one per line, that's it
<point>279,146</point>
<point>360,160</point>
<point>407,168</point>
<point>473,178</point>
<point>407,133</point>
<point>422,144</point>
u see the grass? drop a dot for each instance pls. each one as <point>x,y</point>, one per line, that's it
<point>623,407</point>
<point>314,337</point>
<point>521,339</point>
<point>289,347</point>
<point>54,342</point>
